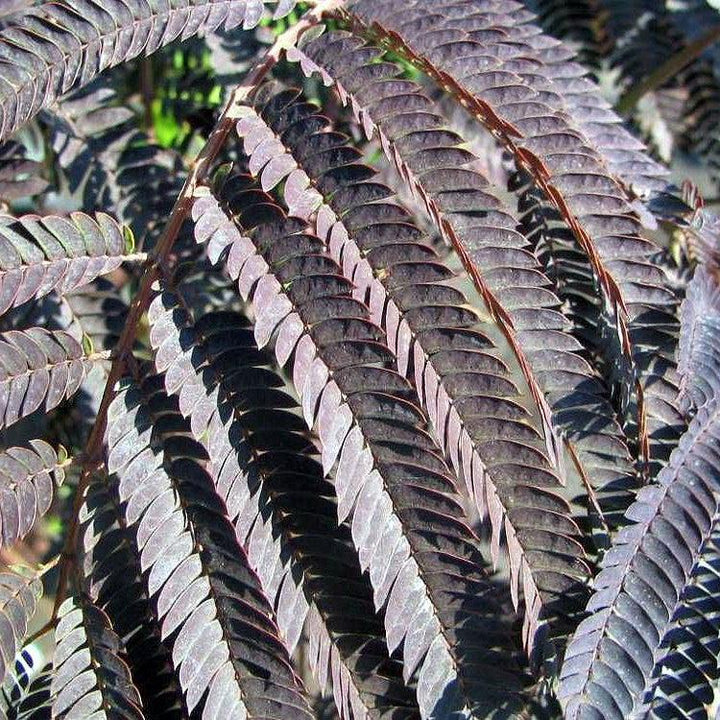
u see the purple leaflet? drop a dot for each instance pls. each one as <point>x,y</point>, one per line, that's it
<point>259,489</point>
<point>269,159</point>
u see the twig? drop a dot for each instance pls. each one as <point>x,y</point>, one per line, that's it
<point>46,628</point>
<point>667,70</point>
<point>147,91</point>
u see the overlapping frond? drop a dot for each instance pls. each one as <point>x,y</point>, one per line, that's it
<point>113,578</point>
<point>28,476</point>
<point>393,482</point>
<point>90,677</point>
<point>57,46</point>
<point>42,254</point>
<point>38,369</point>
<point>467,48</point>
<point>439,322</point>
<point>19,595</point>
<point>284,512</point>
<point>609,662</point>
<point>534,69</point>
<point>413,134</point>
<point>557,250</point>
<point>225,645</point>
<point>471,397</point>
<point>686,677</point>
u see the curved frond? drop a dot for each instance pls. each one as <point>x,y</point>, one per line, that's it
<point>90,678</point>
<point>699,347</point>
<point>19,595</point>
<point>38,369</point>
<point>284,512</point>
<point>686,678</point>
<point>57,46</point>
<point>540,71</point>
<point>571,401</point>
<point>521,113</point>
<point>472,398</point>
<point>393,482</point>
<point>42,254</point>
<point>114,580</point>
<point>28,476</point>
<point>225,644</point>
<point>383,350</point>
<point>608,663</point>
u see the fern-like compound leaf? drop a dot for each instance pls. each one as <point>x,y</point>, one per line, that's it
<point>700,340</point>
<point>283,510</point>
<point>225,645</point>
<point>570,399</point>
<point>472,399</point>
<point>685,678</point>
<point>609,662</point>
<point>90,677</point>
<point>42,254</point>
<point>59,46</point>
<point>571,173</point>
<point>38,368</point>
<point>28,476</point>
<point>393,483</point>
<point>113,579</point>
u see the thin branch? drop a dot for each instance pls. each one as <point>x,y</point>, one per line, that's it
<point>44,630</point>
<point>147,82</point>
<point>93,455</point>
<point>666,71</point>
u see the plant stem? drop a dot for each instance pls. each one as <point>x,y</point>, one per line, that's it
<point>667,70</point>
<point>147,92</point>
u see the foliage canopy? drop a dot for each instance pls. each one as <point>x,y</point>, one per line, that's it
<point>365,356</point>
